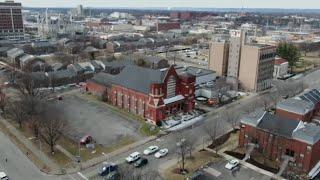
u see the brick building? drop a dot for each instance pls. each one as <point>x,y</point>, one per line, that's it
<point>276,137</point>
<point>150,93</point>
<point>166,26</point>
<point>304,107</point>
<point>11,23</point>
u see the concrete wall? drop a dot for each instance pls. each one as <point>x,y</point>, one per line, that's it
<point>249,67</point>
<point>218,57</point>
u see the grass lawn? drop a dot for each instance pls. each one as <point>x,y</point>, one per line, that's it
<point>87,154</point>
<point>232,142</point>
<point>200,158</point>
<point>146,130</point>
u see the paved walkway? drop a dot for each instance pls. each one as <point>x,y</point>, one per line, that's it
<point>40,155</point>
<point>284,164</point>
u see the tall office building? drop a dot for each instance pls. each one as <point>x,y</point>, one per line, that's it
<point>256,66</point>
<point>80,10</point>
<point>218,57</point>
<point>11,23</point>
<point>237,40</point>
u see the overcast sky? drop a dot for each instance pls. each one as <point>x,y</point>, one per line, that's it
<point>313,4</point>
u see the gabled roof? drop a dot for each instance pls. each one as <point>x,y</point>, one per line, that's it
<point>308,133</point>
<point>271,123</point>
<point>312,96</point>
<point>103,78</point>
<point>295,105</point>
<point>139,78</point>
<point>278,125</point>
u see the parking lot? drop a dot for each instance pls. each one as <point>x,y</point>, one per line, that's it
<point>96,119</point>
<point>218,171</point>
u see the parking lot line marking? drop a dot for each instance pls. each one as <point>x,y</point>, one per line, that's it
<point>212,171</point>
<point>81,175</point>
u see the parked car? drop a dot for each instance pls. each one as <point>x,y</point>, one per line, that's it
<point>60,98</point>
<point>141,162</point>
<point>133,157</point>
<point>151,150</point>
<point>115,175</point>
<point>86,140</point>
<point>232,164</point>
<point>106,168</point>
<point>161,153</point>
<point>198,175</point>
<point>3,176</point>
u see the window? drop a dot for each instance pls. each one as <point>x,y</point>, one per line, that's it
<point>171,87</point>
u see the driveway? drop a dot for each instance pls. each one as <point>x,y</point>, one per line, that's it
<point>96,119</point>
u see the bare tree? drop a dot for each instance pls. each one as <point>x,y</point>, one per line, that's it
<point>214,128</point>
<point>231,117</point>
<point>28,86</point>
<point>265,102</point>
<point>3,100</point>
<point>190,141</point>
<point>53,80</point>
<point>182,150</point>
<point>32,107</point>
<point>52,126</point>
<point>16,110</point>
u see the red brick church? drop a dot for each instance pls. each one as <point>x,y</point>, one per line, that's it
<point>153,94</point>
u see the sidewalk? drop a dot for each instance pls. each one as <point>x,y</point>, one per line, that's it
<point>54,168</point>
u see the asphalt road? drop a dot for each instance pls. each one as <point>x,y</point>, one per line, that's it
<point>18,166</point>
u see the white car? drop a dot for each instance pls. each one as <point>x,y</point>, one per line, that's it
<point>232,164</point>
<point>151,150</point>
<point>161,153</point>
<point>133,157</point>
<point>3,176</point>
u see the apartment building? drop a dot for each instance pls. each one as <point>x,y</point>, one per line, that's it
<point>237,40</point>
<point>11,23</point>
<point>218,57</point>
<point>256,66</point>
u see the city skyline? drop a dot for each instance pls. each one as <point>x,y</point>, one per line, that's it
<point>286,4</point>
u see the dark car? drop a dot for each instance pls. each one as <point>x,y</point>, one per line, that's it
<point>86,140</point>
<point>141,162</point>
<point>106,168</point>
<point>112,176</point>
